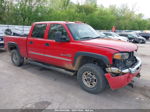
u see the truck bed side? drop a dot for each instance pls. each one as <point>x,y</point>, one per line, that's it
<point>19,42</point>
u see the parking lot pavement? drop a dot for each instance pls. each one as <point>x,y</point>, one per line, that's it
<point>148,42</point>
<point>31,86</point>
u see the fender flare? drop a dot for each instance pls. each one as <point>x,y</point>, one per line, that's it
<point>93,55</point>
<point>12,44</point>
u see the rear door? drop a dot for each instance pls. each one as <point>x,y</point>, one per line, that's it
<point>36,43</point>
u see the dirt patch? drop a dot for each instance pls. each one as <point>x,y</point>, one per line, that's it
<point>145,64</point>
<point>144,55</point>
<point>35,107</point>
<point>145,91</point>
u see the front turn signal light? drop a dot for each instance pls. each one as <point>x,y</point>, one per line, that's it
<point>120,56</point>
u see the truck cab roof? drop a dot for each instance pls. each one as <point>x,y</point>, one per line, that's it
<point>64,22</point>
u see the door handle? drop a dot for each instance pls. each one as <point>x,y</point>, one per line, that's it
<point>30,42</point>
<point>47,44</point>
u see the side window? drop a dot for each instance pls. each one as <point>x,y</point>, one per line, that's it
<point>55,28</point>
<point>39,30</point>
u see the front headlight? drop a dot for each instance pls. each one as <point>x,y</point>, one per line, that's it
<point>121,56</point>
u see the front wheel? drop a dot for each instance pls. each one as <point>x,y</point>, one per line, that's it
<point>16,58</point>
<point>91,78</point>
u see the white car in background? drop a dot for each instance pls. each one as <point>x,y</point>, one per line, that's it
<point>101,34</point>
<point>115,36</point>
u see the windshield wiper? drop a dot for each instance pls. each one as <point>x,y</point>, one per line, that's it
<point>97,37</point>
<point>85,38</point>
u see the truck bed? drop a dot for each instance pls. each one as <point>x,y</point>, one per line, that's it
<point>20,41</point>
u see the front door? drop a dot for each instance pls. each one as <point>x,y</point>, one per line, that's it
<point>58,53</point>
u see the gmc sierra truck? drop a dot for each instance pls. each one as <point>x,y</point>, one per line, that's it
<point>76,47</point>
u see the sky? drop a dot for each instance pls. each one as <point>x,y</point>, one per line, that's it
<point>139,6</point>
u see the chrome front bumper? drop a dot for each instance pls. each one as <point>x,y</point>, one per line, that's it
<point>131,70</point>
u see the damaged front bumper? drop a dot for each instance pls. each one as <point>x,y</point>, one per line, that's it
<point>120,81</point>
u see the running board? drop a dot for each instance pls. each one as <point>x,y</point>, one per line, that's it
<point>51,67</point>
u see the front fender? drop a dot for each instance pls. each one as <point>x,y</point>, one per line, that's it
<point>93,55</point>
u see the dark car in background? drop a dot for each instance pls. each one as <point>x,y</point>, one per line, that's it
<point>134,38</point>
<point>145,35</point>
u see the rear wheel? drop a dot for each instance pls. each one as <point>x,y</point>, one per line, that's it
<point>16,58</point>
<point>91,78</point>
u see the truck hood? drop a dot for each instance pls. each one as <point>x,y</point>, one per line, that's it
<point>111,44</point>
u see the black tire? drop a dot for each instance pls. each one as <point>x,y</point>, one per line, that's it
<point>99,74</point>
<point>16,58</point>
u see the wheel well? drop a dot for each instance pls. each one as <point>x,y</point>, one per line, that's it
<point>12,47</point>
<point>86,59</point>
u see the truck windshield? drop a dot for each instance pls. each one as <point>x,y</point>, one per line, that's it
<point>82,31</point>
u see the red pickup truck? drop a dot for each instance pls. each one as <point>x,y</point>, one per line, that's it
<point>76,47</point>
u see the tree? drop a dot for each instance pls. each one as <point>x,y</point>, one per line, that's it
<point>24,12</point>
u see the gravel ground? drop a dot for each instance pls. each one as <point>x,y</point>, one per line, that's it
<point>31,86</point>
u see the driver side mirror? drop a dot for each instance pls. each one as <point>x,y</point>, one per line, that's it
<point>60,38</point>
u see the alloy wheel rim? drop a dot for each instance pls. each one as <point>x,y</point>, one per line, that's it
<point>89,79</point>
